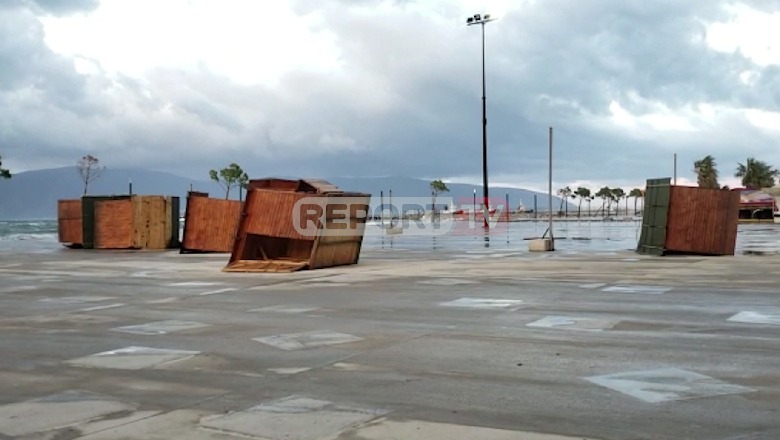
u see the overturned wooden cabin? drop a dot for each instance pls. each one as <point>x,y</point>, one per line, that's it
<point>119,222</point>
<point>210,224</point>
<point>69,224</point>
<point>288,225</point>
<point>688,220</point>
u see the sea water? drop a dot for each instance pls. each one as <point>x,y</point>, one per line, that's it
<point>586,236</point>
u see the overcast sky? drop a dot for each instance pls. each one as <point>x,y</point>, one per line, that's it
<point>363,88</point>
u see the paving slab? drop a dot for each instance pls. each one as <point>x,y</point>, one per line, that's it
<point>132,358</point>
<point>665,385</point>
<point>286,308</point>
<point>292,418</point>
<point>422,430</point>
<point>56,411</point>
<point>573,323</point>
<point>639,289</point>
<point>484,303</point>
<point>751,317</point>
<point>160,327</point>
<point>298,341</point>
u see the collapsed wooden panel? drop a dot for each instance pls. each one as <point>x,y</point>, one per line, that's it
<point>341,239</point>
<point>272,213</point>
<point>210,224</point>
<point>303,227</point>
<point>702,221</point>
<point>69,221</point>
<point>113,224</point>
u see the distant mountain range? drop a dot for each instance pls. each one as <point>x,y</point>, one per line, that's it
<point>34,194</point>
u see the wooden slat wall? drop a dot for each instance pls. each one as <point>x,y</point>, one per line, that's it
<point>151,222</point>
<point>210,225</point>
<point>113,224</point>
<point>702,221</point>
<point>271,213</point>
<point>69,221</point>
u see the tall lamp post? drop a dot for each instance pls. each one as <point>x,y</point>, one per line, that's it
<point>481,20</point>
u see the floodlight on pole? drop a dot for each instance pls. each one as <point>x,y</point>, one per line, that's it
<point>481,20</point>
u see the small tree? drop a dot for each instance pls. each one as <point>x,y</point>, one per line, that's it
<point>229,177</point>
<point>582,193</point>
<point>605,194</point>
<point>564,193</point>
<point>617,196</point>
<point>4,173</point>
<point>89,169</point>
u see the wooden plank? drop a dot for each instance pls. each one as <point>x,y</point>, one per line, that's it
<point>113,224</point>
<point>265,266</point>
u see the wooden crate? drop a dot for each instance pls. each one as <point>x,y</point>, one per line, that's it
<point>688,220</point>
<point>69,222</point>
<point>210,224</point>
<point>268,241</point>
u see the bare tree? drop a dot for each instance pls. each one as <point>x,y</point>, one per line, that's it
<point>89,169</point>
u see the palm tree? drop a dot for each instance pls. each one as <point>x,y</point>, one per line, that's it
<point>636,193</point>
<point>756,174</point>
<point>564,193</point>
<point>617,196</point>
<point>582,193</point>
<point>706,172</point>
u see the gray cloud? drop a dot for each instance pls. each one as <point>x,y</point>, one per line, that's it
<point>409,99</point>
<point>62,7</point>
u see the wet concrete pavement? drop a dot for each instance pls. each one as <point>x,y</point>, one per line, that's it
<point>405,345</point>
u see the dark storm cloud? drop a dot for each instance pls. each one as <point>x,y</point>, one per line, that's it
<point>408,101</point>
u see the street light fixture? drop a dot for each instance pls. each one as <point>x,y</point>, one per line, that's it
<point>482,19</point>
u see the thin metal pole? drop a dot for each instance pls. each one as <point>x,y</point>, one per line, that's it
<point>675,168</point>
<point>486,208</point>
<point>474,208</point>
<point>549,187</point>
<point>536,210</point>
<point>392,215</point>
